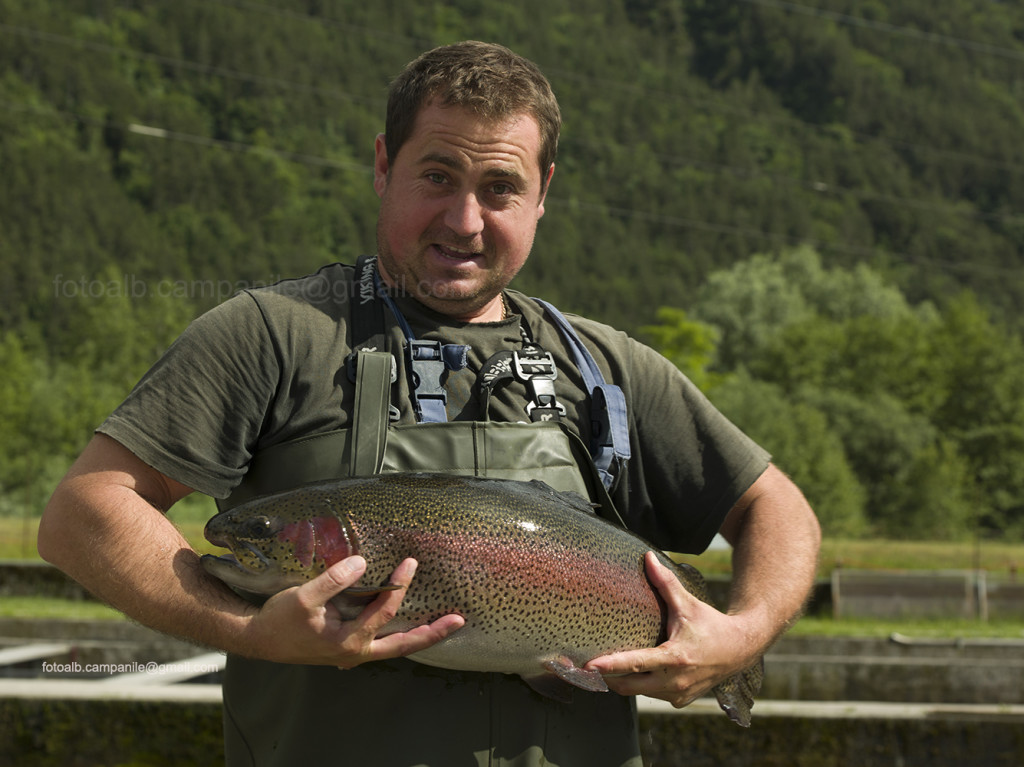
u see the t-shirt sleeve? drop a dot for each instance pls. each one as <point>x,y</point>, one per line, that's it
<point>690,464</point>
<point>196,415</point>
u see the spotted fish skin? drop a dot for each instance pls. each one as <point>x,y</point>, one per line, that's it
<point>543,583</point>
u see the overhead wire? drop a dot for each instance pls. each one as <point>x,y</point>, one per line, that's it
<point>574,205</point>
<point>823,187</point>
<point>343,95</point>
<point>152,131</point>
<point>587,207</point>
<point>603,83</point>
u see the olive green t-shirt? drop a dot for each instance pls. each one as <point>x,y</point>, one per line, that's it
<point>268,366</point>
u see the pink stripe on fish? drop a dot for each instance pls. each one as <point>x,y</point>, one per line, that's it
<point>332,545</point>
<point>302,536</point>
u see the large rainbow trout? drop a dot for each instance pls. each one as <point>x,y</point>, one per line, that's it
<point>543,583</point>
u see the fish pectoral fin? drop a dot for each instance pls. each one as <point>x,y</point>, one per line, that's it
<point>569,672</point>
<point>560,675</point>
<point>367,594</point>
<point>351,601</point>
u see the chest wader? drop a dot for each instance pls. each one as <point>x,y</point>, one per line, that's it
<point>399,712</point>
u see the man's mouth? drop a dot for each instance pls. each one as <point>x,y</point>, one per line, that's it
<point>459,254</point>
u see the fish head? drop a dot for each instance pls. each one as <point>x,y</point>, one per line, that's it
<point>270,551</point>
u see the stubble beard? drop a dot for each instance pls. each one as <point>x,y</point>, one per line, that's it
<point>446,296</point>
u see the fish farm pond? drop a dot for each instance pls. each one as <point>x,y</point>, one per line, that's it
<point>936,679</point>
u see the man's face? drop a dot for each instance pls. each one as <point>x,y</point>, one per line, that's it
<point>459,209</point>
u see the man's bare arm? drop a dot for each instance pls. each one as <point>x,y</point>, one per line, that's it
<point>776,540</point>
<point>105,527</point>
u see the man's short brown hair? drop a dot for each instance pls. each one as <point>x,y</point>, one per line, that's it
<point>486,78</point>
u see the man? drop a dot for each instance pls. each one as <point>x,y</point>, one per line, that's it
<point>462,173</point>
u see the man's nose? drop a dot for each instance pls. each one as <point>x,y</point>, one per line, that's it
<point>465,215</point>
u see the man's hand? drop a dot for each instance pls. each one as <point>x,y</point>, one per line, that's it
<point>775,538</point>
<point>703,648</point>
<point>301,625</point>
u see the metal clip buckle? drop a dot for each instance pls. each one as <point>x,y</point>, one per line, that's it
<point>537,369</point>
<point>536,364</point>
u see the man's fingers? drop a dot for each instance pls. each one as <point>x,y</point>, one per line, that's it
<point>416,639</point>
<point>332,581</point>
<point>381,610</point>
<point>669,588</point>
<point>402,576</point>
<point>630,661</point>
<point>354,637</point>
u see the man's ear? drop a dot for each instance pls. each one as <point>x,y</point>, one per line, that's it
<point>545,186</point>
<point>380,165</point>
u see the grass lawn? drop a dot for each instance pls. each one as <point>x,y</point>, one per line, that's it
<point>40,607</point>
<point>917,628</point>
<point>65,609</point>
<point>1000,559</point>
<point>18,536</point>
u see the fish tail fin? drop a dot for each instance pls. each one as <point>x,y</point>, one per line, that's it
<point>736,694</point>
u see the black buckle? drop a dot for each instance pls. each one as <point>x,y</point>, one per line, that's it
<point>428,372</point>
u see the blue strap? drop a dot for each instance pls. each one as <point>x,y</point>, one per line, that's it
<point>609,444</point>
<point>406,330</point>
<point>428,361</point>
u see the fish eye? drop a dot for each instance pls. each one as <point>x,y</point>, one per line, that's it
<point>257,528</point>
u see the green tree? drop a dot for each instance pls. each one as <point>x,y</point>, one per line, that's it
<point>754,301</point>
<point>804,445</point>
<point>915,482</point>
<point>688,344</point>
<point>926,402</point>
<point>981,365</point>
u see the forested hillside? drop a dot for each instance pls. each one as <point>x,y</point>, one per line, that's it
<point>158,156</point>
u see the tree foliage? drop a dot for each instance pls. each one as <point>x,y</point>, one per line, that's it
<point>689,345</point>
<point>897,420</point>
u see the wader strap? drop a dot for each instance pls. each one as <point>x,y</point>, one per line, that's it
<point>369,331</point>
<point>429,399</point>
<point>375,372</point>
<point>427,362</point>
<point>609,444</point>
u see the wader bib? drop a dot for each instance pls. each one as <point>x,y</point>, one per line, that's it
<point>277,714</point>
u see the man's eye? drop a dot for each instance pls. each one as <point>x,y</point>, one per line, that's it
<point>503,190</point>
<point>436,178</point>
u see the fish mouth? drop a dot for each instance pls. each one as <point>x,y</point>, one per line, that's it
<point>239,578</point>
<point>256,560</point>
